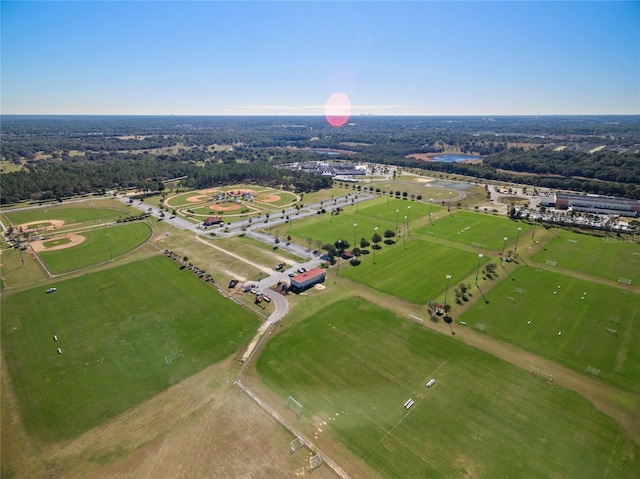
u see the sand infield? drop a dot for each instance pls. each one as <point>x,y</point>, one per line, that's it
<point>74,240</point>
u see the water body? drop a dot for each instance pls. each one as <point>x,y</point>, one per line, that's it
<point>455,158</point>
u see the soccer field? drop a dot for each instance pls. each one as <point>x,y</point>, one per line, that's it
<point>115,329</point>
<point>353,366</point>
<point>609,257</point>
<point>598,323</point>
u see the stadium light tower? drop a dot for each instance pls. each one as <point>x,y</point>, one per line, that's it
<point>515,250</point>
<point>375,232</point>
<point>504,243</point>
<point>446,291</point>
<point>480,255</point>
<point>397,212</point>
<point>430,206</point>
<point>355,233</point>
<point>408,211</point>
<point>449,208</point>
<point>109,245</point>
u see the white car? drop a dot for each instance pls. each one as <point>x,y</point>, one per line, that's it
<point>51,290</point>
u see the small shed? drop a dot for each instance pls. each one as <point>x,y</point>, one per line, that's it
<point>306,280</point>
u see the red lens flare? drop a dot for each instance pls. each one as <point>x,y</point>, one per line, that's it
<point>337,110</point>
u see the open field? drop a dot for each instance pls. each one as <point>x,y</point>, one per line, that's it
<point>469,228</point>
<point>416,273</point>
<point>482,418</point>
<point>609,257</point>
<point>581,310</point>
<point>99,246</point>
<point>113,357</point>
<point>71,216</point>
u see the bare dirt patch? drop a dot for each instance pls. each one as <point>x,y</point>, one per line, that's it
<point>270,198</point>
<point>424,180</point>
<point>51,225</point>
<point>197,198</point>
<point>74,240</point>
<point>224,208</point>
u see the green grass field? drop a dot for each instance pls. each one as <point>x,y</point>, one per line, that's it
<point>585,340</point>
<point>353,365</point>
<point>468,228</point>
<point>115,328</point>
<point>608,257</point>
<point>98,247</point>
<point>416,273</point>
<point>71,216</point>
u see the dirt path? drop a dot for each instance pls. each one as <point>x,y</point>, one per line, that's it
<point>260,267</point>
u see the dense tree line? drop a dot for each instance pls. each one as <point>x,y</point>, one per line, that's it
<point>87,154</point>
<point>64,180</point>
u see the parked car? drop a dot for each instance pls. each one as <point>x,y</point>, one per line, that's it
<point>302,270</point>
<point>51,290</point>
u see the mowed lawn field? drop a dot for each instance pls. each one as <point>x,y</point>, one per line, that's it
<point>416,273</point>
<point>353,366</point>
<point>609,257</point>
<point>99,246</point>
<point>114,328</point>
<point>70,215</point>
<point>581,310</point>
<point>481,229</point>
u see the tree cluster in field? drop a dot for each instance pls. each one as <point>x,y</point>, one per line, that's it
<point>128,219</point>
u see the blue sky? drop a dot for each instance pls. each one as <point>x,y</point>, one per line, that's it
<point>288,58</point>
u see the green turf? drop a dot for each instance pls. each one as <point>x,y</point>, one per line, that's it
<point>115,328</point>
<point>477,228</point>
<point>98,247</point>
<point>585,340</point>
<point>69,215</point>
<point>416,273</point>
<point>353,365</point>
<point>609,257</point>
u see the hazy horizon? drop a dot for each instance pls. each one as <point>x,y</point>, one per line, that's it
<point>265,59</point>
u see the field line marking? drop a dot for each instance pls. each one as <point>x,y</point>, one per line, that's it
<point>611,457</point>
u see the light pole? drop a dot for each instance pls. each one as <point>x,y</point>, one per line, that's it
<point>388,193</point>
<point>408,211</point>
<point>397,212</point>
<point>504,243</point>
<point>109,245</point>
<point>515,250</point>
<point>446,291</point>
<point>533,231</point>
<point>430,206</point>
<point>449,208</point>
<point>480,255</point>
<point>375,232</point>
<point>355,233</point>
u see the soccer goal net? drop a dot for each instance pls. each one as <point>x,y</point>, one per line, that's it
<point>175,356</point>
<point>294,406</point>
<point>624,280</point>
<point>593,371</point>
<point>315,461</point>
<point>416,319</point>
<point>551,263</point>
<point>296,444</point>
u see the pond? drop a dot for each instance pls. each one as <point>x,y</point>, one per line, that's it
<point>455,158</point>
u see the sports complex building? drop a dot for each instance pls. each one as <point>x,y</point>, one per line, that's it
<point>592,204</point>
<point>306,280</point>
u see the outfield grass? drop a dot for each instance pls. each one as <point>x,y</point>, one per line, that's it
<point>71,216</point>
<point>98,247</point>
<point>353,365</point>
<point>605,256</point>
<point>115,328</point>
<point>585,340</point>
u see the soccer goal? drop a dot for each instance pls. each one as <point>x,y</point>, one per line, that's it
<point>612,331</point>
<point>295,406</point>
<point>537,373</point>
<point>416,319</point>
<point>296,444</point>
<point>593,371</point>
<point>613,319</point>
<point>551,263</point>
<point>175,356</point>
<point>480,327</point>
<point>315,461</point>
<point>518,290</point>
<point>476,245</point>
<point>624,280</point>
